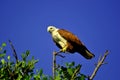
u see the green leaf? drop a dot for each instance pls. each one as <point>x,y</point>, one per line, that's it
<point>8,57</point>
<point>27,53</point>
<point>2,55</point>
<point>23,57</point>
<point>58,78</point>
<point>44,77</point>
<point>41,72</point>
<point>82,77</point>
<point>19,77</point>
<point>73,63</point>
<point>3,61</point>
<point>23,64</point>
<point>3,44</point>
<point>70,71</point>
<point>69,65</point>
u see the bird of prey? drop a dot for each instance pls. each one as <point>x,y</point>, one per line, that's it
<point>68,42</point>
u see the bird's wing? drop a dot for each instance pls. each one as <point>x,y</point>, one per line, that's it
<point>70,37</point>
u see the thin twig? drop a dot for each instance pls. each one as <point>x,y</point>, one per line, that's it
<point>54,64</point>
<point>58,54</point>
<point>14,51</point>
<point>100,62</point>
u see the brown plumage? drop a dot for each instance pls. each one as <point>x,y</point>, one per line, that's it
<point>73,43</point>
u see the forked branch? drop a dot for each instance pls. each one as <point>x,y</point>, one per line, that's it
<point>98,65</point>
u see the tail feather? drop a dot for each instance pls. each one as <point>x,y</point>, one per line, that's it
<point>86,53</point>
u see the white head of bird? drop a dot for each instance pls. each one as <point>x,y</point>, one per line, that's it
<point>51,29</point>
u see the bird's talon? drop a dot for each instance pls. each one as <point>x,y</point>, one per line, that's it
<point>63,50</point>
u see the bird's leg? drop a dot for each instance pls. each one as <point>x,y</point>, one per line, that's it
<point>64,49</point>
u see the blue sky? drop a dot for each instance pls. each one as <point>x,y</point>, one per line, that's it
<point>95,22</point>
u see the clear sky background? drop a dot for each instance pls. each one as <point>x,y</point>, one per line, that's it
<point>95,22</point>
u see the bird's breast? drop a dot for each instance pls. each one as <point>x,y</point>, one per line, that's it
<point>59,39</point>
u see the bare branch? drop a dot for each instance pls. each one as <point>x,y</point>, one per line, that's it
<point>100,62</point>
<point>54,62</point>
<point>14,51</point>
<point>54,65</point>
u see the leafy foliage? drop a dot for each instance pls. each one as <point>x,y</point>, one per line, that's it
<point>69,72</point>
<point>24,69</point>
<point>21,70</point>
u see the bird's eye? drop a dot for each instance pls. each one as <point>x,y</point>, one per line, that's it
<point>51,28</point>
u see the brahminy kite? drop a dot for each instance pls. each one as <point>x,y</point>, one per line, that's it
<point>68,42</point>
